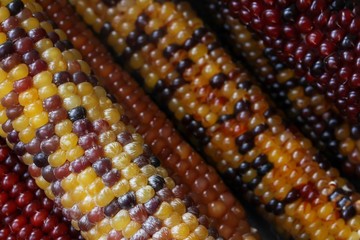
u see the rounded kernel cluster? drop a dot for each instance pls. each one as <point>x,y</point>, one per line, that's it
<point>25,211</point>
<point>71,134</point>
<point>189,170</point>
<point>228,116</point>
<point>319,39</point>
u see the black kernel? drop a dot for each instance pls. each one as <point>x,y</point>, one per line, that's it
<point>77,113</point>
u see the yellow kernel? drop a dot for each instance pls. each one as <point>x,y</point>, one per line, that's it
<point>104,227</point>
<point>201,232</point>
<point>74,153</point>
<point>87,204</point>
<point>3,75</point>
<point>47,26</point>
<point>197,52</point>
<point>49,193</point>
<point>113,149</point>
<point>27,158</point>
<point>100,92</point>
<point>87,176</point>
<point>18,72</point>
<point>4,13</point>
<point>28,96</point>
<point>63,128</point>
<point>178,206</point>
<point>173,220</point>
<point>164,211</point>
<point>39,120</point>
<point>104,197</point>
<point>121,161</point>
<point>20,123</point>
<point>190,220</point>
<point>69,183</point>
<point>104,102</point>
<point>71,102</point>
<point>3,39</point>
<point>130,171</point>
<point>120,220</point>
<point>94,113</point>
<point>68,141</point>
<point>148,170</point>
<point>67,89</point>
<point>66,201</point>
<point>42,183</point>
<point>131,229</point>
<point>33,109</point>
<point>5,88</point>
<point>95,187</point>
<point>134,149</point>
<point>78,194</point>
<point>138,182</point>
<point>106,138</point>
<point>27,135</point>
<point>57,158</point>
<point>42,79</point>
<point>51,54</point>
<point>169,183</point>
<point>112,115</point>
<point>90,101</point>
<point>47,91</point>
<point>120,188</point>
<point>85,88</point>
<point>180,231</point>
<point>30,24</point>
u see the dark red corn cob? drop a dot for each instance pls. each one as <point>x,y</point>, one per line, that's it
<point>187,168</point>
<point>25,211</point>
<point>228,116</point>
<point>319,39</point>
<point>315,115</point>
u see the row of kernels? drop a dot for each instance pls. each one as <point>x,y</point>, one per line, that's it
<point>213,207</point>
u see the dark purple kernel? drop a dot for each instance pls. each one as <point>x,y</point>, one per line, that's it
<point>259,161</point>
<point>157,34</point>
<point>88,140</point>
<point>7,126</point>
<point>246,85</point>
<point>194,210</point>
<point>110,3</point>
<point>154,161</point>
<point>10,99</point>
<point>190,43</point>
<point>93,154</point>
<point>48,173</point>
<point>58,115</point>
<point>37,34</point>
<point>53,36</point>
<point>183,65</point>
<point>63,45</point>
<point>141,161</point>
<point>242,106</point>
<point>82,127</point>
<point>19,149</point>
<point>245,142</point>
<point>80,77</point>
<point>79,164</point>
<point>292,196</point>
<point>101,126</point>
<point>23,45</point>
<point>38,66</point>
<point>102,166</point>
<point>177,83</point>
<point>85,224</point>
<point>41,160</point>
<point>14,112</point>
<point>56,188</point>
<point>30,57</point>
<point>46,131</point>
<point>264,169</point>
<point>52,103</point>
<point>96,214</point>
<point>15,7</point>
<point>61,78</point>
<point>170,50</point>
<point>138,213</point>
<point>156,182</point>
<point>124,138</point>
<point>152,205</point>
<point>165,194</point>
<point>105,30</point>
<point>77,113</point>
<point>112,177</point>
<point>50,145</point>
<point>16,33</point>
<point>13,137</point>
<point>6,49</point>
<point>218,80</point>
<point>348,212</point>
<point>142,21</point>
<point>127,201</point>
<point>33,146</point>
<point>112,208</point>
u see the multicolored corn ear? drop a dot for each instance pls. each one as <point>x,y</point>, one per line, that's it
<point>76,141</point>
<point>186,167</point>
<point>25,211</point>
<point>315,115</point>
<point>188,71</point>
<point>319,39</point>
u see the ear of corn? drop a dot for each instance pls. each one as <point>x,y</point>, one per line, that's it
<point>182,64</point>
<point>319,39</point>
<point>72,136</point>
<point>316,116</point>
<point>187,168</point>
<point>25,211</point>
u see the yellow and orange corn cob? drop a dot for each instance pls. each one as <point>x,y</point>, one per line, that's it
<point>77,142</point>
<point>312,111</point>
<point>196,178</point>
<point>183,65</point>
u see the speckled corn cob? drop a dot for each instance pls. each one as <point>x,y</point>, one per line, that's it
<point>312,111</point>
<point>188,169</point>
<point>25,211</point>
<point>319,39</point>
<point>74,140</point>
<point>183,65</point>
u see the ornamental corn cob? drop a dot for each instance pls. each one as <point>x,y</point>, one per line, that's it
<point>25,211</point>
<point>196,178</point>
<point>313,113</point>
<point>181,62</point>
<point>74,140</point>
<point>318,39</point>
